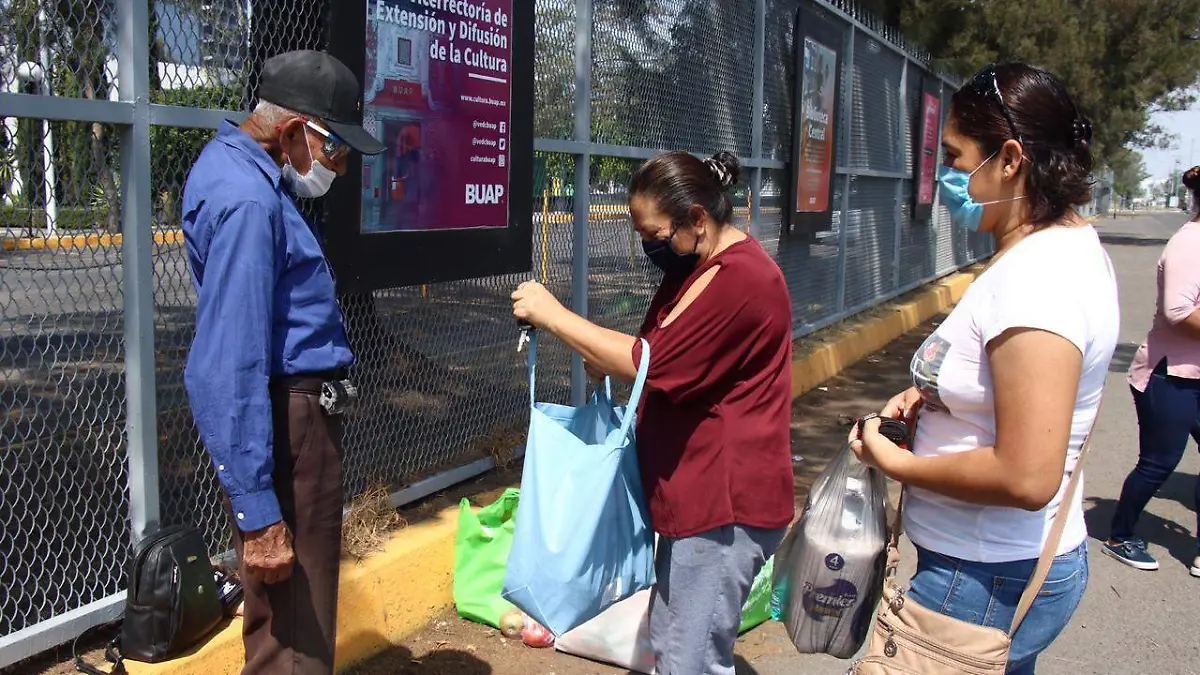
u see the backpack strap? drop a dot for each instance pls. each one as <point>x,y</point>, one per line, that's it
<point>112,653</point>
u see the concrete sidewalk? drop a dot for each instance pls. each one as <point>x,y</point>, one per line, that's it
<point>1130,622</point>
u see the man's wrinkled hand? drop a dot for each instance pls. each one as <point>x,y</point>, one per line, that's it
<point>267,553</point>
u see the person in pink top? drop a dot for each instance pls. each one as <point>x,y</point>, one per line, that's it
<point>1165,380</point>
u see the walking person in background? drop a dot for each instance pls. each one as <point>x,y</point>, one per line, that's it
<point>713,430</point>
<point>269,336</point>
<point>1009,385</point>
<point>1165,381</point>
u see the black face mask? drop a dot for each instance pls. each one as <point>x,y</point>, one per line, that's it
<point>674,265</point>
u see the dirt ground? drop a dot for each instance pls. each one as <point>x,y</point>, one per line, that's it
<point>451,646</point>
<point>821,419</point>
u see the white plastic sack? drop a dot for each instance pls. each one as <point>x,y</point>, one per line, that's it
<point>619,636</point>
<point>829,571</point>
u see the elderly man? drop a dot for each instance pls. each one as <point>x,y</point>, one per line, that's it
<point>266,371</point>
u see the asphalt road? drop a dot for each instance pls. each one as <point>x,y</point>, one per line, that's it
<point>1130,622</point>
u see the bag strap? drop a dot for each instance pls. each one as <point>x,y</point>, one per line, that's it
<point>1050,549</point>
<point>112,652</point>
<point>635,396</point>
<point>893,544</point>
<point>639,384</point>
<point>533,345</point>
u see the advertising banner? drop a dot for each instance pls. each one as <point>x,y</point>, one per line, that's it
<point>817,125</point>
<point>930,113</point>
<point>438,85</point>
<point>816,122</point>
<point>927,136</point>
<point>448,88</point>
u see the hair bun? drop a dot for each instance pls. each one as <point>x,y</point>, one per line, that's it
<point>725,168</point>
<point>1081,134</point>
<point>1191,179</point>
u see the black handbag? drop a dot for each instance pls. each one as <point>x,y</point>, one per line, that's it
<point>173,601</point>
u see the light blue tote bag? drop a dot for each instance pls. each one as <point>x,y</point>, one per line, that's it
<point>583,539</point>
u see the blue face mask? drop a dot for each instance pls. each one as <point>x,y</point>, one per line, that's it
<point>956,195</point>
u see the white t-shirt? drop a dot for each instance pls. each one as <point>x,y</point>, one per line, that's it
<point>1058,280</point>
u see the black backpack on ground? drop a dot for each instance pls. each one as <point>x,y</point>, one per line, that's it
<point>173,600</point>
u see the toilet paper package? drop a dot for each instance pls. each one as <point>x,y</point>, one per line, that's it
<point>830,568</point>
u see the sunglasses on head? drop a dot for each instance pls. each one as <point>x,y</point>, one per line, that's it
<point>333,146</point>
<point>987,85</point>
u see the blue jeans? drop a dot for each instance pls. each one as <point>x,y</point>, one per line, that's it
<point>696,604</point>
<point>1168,413</point>
<point>986,594</point>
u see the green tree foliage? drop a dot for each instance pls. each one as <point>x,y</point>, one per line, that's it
<point>73,35</point>
<point>86,155</point>
<point>1129,171</point>
<point>1122,58</point>
<point>175,150</point>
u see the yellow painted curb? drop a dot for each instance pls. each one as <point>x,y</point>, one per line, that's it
<point>809,371</point>
<point>73,241</point>
<point>380,601</point>
<point>396,592</point>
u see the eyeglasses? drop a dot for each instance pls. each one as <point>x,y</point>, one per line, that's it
<point>333,147</point>
<point>987,85</point>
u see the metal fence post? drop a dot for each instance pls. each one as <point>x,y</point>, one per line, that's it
<point>133,58</point>
<point>583,182</point>
<point>847,122</point>
<point>756,115</point>
<point>905,123</point>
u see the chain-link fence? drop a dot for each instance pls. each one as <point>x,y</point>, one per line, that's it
<point>106,104</point>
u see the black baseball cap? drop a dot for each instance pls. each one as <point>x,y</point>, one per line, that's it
<point>317,84</point>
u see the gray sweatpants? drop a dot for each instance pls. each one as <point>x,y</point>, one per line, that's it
<point>696,605</point>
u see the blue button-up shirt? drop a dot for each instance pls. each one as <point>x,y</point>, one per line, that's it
<point>266,307</point>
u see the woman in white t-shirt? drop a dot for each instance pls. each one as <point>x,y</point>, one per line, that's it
<point>1009,384</point>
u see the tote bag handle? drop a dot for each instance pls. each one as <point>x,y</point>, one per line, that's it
<point>635,397</point>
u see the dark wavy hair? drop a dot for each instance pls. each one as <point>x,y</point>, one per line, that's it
<point>1019,102</point>
<point>1191,180</point>
<point>679,180</point>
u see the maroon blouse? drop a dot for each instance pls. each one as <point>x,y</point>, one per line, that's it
<point>713,429</point>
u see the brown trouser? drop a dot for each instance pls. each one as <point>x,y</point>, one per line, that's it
<point>289,627</point>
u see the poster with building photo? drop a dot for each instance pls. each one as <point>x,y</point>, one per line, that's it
<point>438,88</point>
<point>928,140</point>
<point>815,123</point>
<point>816,127</point>
<point>448,88</point>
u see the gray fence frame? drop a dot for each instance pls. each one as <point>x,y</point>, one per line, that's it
<point>135,116</point>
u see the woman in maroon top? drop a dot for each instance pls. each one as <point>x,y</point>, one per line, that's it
<point>713,431</point>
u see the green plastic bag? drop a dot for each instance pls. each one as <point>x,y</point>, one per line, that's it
<point>757,609</point>
<point>480,557</point>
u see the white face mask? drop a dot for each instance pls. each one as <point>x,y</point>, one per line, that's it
<point>315,183</point>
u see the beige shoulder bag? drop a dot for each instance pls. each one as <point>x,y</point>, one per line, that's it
<point>909,639</point>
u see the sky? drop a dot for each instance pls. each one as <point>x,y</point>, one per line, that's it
<point>1186,125</point>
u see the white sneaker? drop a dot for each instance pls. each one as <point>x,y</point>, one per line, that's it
<point>1196,567</point>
